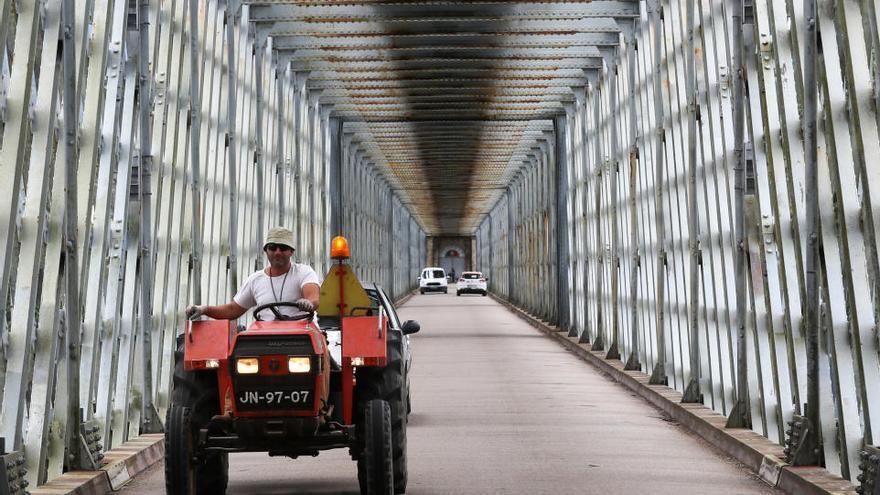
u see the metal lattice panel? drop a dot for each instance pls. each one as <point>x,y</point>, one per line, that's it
<point>683,237</point>
<point>442,94</point>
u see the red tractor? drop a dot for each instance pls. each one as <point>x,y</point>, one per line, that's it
<point>276,388</point>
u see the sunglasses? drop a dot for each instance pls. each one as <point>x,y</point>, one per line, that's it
<point>277,247</point>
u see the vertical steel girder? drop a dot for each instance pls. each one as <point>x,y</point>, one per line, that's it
<point>692,390</point>
<point>150,421</point>
<point>809,452</point>
<point>633,363</point>
<point>71,260</point>
<point>561,223</point>
<point>335,176</point>
<point>658,375</point>
<point>231,142</point>
<point>740,416</point>
<point>195,127</point>
<point>259,151</point>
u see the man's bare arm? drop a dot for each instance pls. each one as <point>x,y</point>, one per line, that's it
<point>228,311</point>
<point>312,292</point>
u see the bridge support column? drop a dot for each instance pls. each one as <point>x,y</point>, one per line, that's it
<point>74,414</point>
<point>150,422</point>
<point>280,76</point>
<point>231,141</point>
<point>599,342</point>
<point>335,176</point>
<point>259,162</point>
<point>389,234</point>
<point>692,391</point>
<point>562,252</point>
<point>613,179</point>
<point>808,451</point>
<point>195,124</point>
<point>510,235</point>
<point>740,415</point>
<point>632,363</point>
<point>658,375</point>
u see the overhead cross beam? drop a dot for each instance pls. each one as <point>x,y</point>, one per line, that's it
<point>447,98</point>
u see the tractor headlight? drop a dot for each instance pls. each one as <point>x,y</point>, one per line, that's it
<point>299,364</point>
<point>247,366</point>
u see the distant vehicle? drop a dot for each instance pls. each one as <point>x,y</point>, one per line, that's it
<point>433,279</point>
<point>471,283</point>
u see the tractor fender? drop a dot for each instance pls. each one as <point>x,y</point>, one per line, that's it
<point>205,342</point>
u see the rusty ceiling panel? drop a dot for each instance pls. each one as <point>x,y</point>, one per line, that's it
<point>448,98</point>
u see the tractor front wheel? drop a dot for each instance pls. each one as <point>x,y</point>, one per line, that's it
<point>376,463</point>
<point>179,452</point>
<point>194,400</point>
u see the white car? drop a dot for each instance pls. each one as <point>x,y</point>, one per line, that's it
<point>471,283</point>
<point>433,279</point>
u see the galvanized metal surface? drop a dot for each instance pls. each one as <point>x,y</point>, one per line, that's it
<point>167,116</point>
<point>592,148</point>
<point>655,135</point>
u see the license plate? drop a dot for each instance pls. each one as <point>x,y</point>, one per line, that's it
<point>274,398</point>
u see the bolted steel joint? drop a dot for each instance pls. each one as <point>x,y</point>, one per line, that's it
<point>869,467</point>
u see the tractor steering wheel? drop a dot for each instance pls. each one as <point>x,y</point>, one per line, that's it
<point>273,307</point>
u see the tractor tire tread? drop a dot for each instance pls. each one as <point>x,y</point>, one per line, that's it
<point>198,394</point>
<point>388,384</point>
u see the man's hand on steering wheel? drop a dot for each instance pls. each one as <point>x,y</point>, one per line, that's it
<point>273,307</point>
<point>305,305</point>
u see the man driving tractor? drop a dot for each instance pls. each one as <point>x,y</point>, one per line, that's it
<point>281,281</point>
<point>288,387</point>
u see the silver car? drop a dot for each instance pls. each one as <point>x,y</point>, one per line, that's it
<point>380,298</point>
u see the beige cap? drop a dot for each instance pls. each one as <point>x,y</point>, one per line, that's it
<point>279,235</point>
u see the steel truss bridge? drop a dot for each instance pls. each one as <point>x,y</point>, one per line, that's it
<point>688,186</point>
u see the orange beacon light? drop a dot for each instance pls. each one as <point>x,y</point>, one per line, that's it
<point>339,248</point>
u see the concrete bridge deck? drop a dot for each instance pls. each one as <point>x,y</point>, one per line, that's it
<point>498,408</point>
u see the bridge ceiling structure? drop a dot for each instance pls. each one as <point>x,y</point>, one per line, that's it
<point>689,186</point>
<point>450,96</point>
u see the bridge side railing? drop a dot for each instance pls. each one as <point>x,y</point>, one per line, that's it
<point>239,142</point>
<point>651,225</point>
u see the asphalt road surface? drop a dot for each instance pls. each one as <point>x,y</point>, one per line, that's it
<point>498,408</point>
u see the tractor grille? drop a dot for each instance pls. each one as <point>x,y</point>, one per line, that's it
<point>275,392</point>
<point>294,345</point>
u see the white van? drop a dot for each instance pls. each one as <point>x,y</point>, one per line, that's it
<point>433,279</point>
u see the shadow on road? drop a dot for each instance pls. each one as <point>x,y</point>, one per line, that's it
<point>287,486</point>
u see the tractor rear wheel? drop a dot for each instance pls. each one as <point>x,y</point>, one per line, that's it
<point>194,400</point>
<point>376,464</point>
<point>389,384</point>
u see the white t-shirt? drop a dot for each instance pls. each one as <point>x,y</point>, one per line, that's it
<point>261,289</point>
